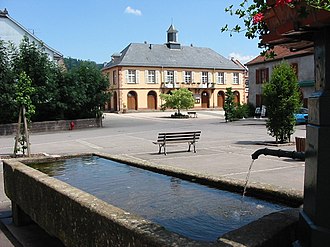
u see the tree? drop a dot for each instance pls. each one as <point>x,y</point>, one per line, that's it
<point>33,60</point>
<point>7,92</point>
<point>179,99</point>
<point>282,99</point>
<point>23,91</point>
<point>71,63</point>
<point>229,105</point>
<point>83,91</point>
<point>78,93</point>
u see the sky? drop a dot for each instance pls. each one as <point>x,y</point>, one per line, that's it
<point>94,30</point>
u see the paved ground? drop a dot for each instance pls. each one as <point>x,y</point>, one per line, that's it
<point>224,150</point>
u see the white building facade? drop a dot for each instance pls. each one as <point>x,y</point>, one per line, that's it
<point>12,31</point>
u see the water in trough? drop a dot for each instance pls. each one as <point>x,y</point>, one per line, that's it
<point>196,211</point>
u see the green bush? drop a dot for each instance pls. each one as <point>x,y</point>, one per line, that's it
<point>241,111</point>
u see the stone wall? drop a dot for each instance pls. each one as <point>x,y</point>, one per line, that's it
<point>76,217</point>
<point>46,126</point>
<point>80,219</point>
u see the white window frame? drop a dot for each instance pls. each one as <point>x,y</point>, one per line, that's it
<point>170,76</point>
<point>205,77</point>
<point>236,78</point>
<point>188,76</point>
<point>151,76</point>
<point>131,76</point>
<point>221,78</point>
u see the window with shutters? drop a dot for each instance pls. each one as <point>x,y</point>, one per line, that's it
<point>151,76</point>
<point>294,66</point>
<point>262,75</point>
<point>187,77</point>
<point>221,78</point>
<point>131,77</point>
<point>170,76</point>
<point>205,77</point>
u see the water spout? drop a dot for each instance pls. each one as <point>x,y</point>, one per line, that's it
<point>278,153</point>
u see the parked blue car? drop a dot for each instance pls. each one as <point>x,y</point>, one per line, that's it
<point>301,116</point>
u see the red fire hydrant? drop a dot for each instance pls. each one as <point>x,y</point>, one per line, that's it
<point>71,125</point>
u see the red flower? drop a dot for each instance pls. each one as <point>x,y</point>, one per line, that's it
<point>283,2</point>
<point>258,18</point>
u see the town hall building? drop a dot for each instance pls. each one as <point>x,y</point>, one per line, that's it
<point>141,72</point>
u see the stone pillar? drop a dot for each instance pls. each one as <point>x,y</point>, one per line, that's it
<point>315,216</point>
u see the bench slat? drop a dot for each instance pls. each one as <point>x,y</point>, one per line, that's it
<point>180,133</point>
<point>177,137</point>
<point>183,138</point>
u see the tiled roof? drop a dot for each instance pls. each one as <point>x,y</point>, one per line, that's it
<point>281,52</point>
<point>155,55</point>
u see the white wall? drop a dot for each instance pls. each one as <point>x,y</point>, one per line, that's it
<point>11,31</point>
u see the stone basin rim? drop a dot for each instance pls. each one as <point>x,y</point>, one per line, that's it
<point>155,231</point>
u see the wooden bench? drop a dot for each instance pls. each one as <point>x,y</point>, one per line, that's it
<point>190,137</point>
<point>192,114</point>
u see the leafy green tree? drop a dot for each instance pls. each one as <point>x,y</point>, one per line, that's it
<point>83,91</point>
<point>229,106</point>
<point>32,59</point>
<point>7,93</point>
<point>23,91</point>
<point>179,99</point>
<point>71,63</point>
<point>78,93</point>
<point>282,99</point>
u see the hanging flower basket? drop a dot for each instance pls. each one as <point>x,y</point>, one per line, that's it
<point>284,19</point>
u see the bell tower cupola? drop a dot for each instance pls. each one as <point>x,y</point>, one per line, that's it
<point>172,38</point>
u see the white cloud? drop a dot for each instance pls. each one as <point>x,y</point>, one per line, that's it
<point>242,58</point>
<point>130,10</point>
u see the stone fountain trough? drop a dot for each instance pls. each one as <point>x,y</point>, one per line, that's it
<point>80,219</point>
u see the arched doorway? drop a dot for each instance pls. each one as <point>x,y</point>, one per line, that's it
<point>221,99</point>
<point>115,101</point>
<point>205,100</point>
<point>152,100</point>
<point>236,98</point>
<point>132,100</point>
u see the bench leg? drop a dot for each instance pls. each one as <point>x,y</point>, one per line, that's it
<point>190,147</point>
<point>160,149</point>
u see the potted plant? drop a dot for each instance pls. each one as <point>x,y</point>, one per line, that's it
<point>273,20</point>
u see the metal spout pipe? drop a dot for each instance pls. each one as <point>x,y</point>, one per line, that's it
<point>278,153</point>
